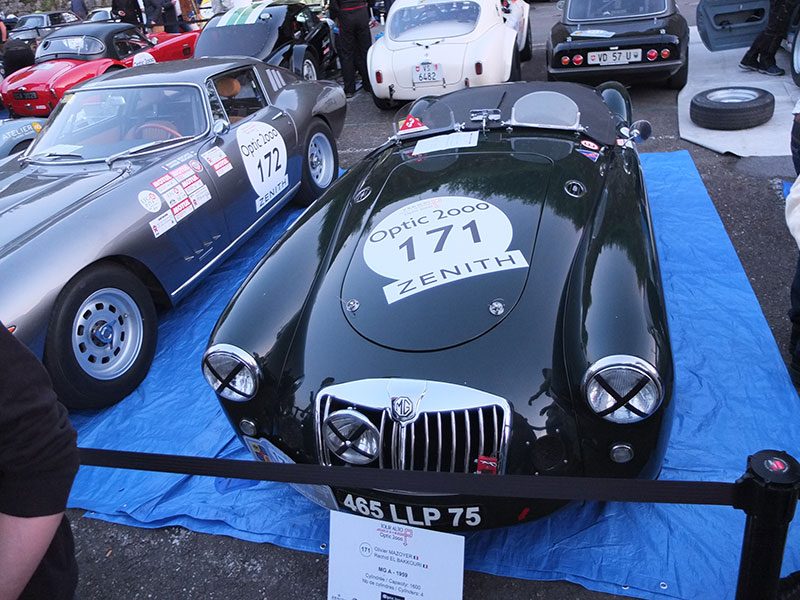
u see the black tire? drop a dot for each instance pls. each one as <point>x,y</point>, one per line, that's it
<point>527,48</point>
<point>732,108</point>
<point>382,103</point>
<point>309,63</point>
<point>311,187</point>
<point>516,68</point>
<point>20,147</point>
<point>72,322</point>
<point>678,81</point>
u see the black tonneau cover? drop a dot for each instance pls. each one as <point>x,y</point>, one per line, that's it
<point>595,115</point>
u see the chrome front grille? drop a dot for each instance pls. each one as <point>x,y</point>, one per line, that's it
<point>448,435</point>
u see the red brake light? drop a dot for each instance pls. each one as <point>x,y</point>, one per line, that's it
<point>652,55</point>
<point>478,68</point>
<point>378,77</point>
<point>565,60</point>
<point>577,60</point>
<point>665,53</point>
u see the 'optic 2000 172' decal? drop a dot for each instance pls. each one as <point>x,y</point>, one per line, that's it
<point>264,155</point>
<point>437,241</point>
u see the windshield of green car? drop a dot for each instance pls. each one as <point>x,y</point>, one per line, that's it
<point>433,20</point>
<point>605,10</point>
<point>77,44</point>
<point>98,123</point>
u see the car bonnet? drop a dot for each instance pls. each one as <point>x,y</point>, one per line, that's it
<point>445,248</point>
<point>39,75</point>
<point>32,198</point>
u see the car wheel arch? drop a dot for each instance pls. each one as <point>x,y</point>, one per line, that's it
<point>138,269</point>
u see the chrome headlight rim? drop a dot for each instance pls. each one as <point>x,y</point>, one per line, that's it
<point>243,357</point>
<point>624,361</point>
<point>361,458</point>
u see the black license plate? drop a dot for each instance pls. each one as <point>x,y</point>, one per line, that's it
<point>417,515</point>
<point>25,95</point>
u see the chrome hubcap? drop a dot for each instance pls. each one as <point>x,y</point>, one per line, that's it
<point>320,160</point>
<point>733,95</point>
<point>107,333</point>
<point>309,71</point>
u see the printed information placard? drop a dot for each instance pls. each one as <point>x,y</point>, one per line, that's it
<point>376,560</point>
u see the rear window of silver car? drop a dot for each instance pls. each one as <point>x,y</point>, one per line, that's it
<point>31,21</point>
<point>434,20</point>
<point>606,10</point>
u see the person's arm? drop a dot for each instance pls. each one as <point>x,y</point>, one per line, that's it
<point>3,33</point>
<point>38,461</point>
<point>23,543</point>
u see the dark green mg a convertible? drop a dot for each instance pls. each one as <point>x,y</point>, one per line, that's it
<point>481,295</point>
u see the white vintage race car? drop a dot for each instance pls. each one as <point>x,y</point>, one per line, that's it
<point>433,47</point>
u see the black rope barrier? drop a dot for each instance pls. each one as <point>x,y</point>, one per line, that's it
<point>504,486</point>
<point>767,492</point>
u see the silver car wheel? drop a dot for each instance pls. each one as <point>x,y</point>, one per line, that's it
<point>320,160</point>
<point>309,70</point>
<point>796,54</point>
<point>733,94</point>
<point>107,333</point>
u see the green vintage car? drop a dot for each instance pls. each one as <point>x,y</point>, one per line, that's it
<point>481,294</point>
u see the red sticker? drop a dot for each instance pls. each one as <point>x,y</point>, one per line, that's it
<point>487,465</point>
<point>196,166</point>
<point>412,124</point>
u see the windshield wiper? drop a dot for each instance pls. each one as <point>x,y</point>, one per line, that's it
<point>147,146</point>
<point>56,155</point>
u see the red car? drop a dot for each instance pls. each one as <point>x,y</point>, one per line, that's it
<point>76,53</point>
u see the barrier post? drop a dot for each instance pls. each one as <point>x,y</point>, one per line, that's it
<point>767,493</point>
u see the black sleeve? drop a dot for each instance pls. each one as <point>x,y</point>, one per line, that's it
<point>333,9</point>
<point>38,453</point>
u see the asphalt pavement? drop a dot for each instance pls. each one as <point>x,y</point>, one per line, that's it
<point>120,562</point>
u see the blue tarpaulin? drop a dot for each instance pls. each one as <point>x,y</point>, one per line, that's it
<point>732,398</point>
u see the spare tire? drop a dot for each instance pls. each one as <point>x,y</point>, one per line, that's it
<point>732,108</point>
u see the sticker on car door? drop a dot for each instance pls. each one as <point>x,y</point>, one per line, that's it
<point>263,152</point>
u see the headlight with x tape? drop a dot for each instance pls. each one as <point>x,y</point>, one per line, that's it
<point>622,389</point>
<point>231,372</point>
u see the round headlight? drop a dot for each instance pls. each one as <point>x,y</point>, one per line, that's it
<point>351,436</point>
<point>231,372</point>
<point>622,389</point>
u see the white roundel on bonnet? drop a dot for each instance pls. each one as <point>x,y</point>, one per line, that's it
<point>440,240</point>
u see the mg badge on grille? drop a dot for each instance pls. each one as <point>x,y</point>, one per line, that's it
<point>403,409</point>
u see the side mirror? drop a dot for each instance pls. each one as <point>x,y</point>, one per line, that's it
<point>640,131</point>
<point>560,5</point>
<point>221,126</point>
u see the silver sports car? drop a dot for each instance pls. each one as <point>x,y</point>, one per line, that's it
<point>17,134</point>
<point>141,182</point>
